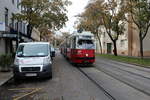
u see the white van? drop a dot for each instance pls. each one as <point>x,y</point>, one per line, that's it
<point>33,59</point>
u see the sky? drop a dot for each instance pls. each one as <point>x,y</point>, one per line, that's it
<point>76,8</point>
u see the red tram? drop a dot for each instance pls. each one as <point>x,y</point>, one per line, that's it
<point>79,48</point>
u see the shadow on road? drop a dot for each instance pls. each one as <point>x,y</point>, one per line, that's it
<point>31,80</point>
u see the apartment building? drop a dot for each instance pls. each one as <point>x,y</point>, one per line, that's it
<point>11,30</point>
<point>134,44</point>
<point>127,44</point>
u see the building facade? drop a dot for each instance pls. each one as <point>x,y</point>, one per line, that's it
<point>134,42</point>
<point>127,44</point>
<point>7,8</point>
<point>11,31</point>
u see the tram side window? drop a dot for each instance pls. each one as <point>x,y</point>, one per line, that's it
<point>68,43</point>
<point>74,43</point>
<point>71,46</point>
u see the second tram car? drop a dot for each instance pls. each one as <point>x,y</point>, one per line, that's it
<point>79,48</point>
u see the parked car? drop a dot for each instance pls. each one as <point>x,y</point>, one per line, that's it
<point>56,49</point>
<point>33,59</point>
<point>52,52</point>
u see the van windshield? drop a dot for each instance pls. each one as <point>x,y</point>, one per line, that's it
<point>32,50</point>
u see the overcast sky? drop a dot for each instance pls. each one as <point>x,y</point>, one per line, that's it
<point>76,8</point>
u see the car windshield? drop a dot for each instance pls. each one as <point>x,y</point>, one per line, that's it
<point>85,44</point>
<point>32,50</point>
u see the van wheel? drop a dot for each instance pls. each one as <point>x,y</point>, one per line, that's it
<point>16,78</point>
<point>50,76</point>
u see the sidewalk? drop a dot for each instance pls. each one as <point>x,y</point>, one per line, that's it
<point>4,77</point>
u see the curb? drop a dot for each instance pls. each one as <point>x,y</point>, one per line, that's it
<point>5,81</point>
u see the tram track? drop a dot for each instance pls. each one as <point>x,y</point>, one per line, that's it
<point>115,76</point>
<point>98,85</point>
<point>133,73</point>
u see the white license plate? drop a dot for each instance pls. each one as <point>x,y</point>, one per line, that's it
<point>31,74</point>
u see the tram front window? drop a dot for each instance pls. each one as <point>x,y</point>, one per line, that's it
<point>85,44</point>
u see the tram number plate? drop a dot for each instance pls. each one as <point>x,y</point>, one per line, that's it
<point>31,74</point>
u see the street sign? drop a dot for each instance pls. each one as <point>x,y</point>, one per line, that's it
<point>2,26</point>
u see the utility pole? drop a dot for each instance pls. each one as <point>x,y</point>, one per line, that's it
<point>18,35</point>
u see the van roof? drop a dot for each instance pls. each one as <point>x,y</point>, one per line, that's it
<point>34,43</point>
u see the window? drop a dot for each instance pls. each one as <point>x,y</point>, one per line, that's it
<point>6,16</point>
<point>122,43</point>
<point>16,26</point>
<point>67,43</point>
<point>13,1</point>
<point>20,27</point>
<point>22,8</point>
<point>24,25</point>
<point>17,3</point>
<point>12,21</point>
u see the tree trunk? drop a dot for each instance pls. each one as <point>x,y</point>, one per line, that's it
<point>40,36</point>
<point>99,43</point>
<point>115,48</point>
<point>141,47</point>
<point>29,29</point>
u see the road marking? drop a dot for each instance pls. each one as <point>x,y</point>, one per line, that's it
<point>34,90</point>
<point>22,89</point>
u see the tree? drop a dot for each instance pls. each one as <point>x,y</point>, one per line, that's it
<point>110,14</point>
<point>91,21</point>
<point>65,35</point>
<point>113,13</point>
<point>43,13</point>
<point>140,15</point>
<point>44,32</point>
<point>89,25</point>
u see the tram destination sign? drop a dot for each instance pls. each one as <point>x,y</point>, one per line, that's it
<point>85,37</point>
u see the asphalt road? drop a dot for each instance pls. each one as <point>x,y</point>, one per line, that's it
<point>68,83</point>
<point>105,80</point>
<point>122,81</point>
